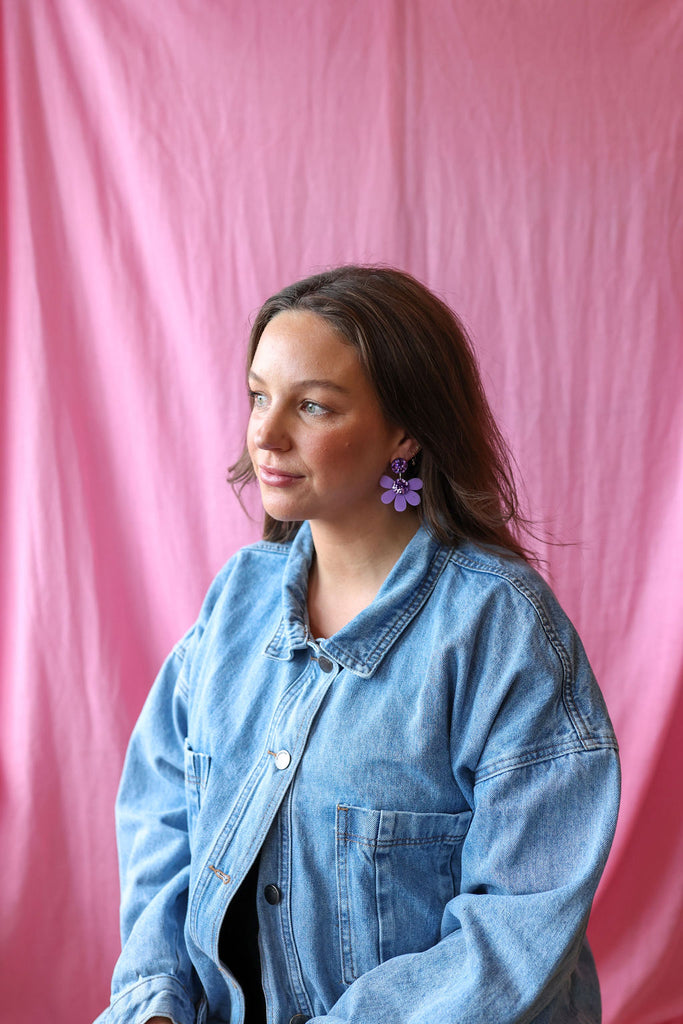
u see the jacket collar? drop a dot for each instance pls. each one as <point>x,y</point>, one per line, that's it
<point>363,642</point>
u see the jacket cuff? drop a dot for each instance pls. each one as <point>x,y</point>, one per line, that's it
<point>160,996</point>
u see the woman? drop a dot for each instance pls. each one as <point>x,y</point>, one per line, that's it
<point>381,748</point>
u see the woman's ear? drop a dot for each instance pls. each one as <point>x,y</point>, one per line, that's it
<point>407,449</point>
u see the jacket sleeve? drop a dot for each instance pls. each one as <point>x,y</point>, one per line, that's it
<point>154,975</point>
<point>544,794</point>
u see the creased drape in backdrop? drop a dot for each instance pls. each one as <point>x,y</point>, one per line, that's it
<point>167,165</point>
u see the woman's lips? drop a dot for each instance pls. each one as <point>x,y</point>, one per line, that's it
<point>276,477</point>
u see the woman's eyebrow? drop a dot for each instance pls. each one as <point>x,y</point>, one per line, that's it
<point>309,382</point>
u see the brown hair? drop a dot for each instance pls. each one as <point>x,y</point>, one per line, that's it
<point>420,360</point>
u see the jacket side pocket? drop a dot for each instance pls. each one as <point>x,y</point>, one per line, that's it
<point>197,767</point>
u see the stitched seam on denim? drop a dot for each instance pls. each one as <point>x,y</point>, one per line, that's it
<point>283,642</point>
<point>180,649</point>
<point>379,916</point>
<point>363,840</point>
<point>198,773</point>
<point>275,641</point>
<point>598,741</point>
<point>270,546</point>
<point>345,923</point>
<point>145,982</point>
<point>535,753</point>
<point>529,757</point>
<point>183,687</point>
<point>580,727</point>
<point>538,758</point>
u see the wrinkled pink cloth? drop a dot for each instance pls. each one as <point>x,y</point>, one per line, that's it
<point>167,165</point>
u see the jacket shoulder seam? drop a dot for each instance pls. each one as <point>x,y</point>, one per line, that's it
<point>519,584</point>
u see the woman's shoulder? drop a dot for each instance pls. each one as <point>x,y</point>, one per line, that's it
<point>496,580</point>
<point>253,571</point>
<point>249,558</point>
<point>524,643</point>
<point>502,566</point>
<point>259,551</point>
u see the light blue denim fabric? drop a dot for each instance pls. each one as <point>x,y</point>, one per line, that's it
<point>434,790</point>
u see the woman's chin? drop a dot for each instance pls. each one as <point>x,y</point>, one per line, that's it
<point>283,511</point>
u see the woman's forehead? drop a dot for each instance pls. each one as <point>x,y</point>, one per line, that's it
<point>301,344</point>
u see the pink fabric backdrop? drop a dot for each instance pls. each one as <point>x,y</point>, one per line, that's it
<point>168,164</point>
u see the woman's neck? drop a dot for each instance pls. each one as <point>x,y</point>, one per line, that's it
<point>350,567</point>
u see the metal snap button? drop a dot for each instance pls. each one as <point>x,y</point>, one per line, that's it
<point>325,664</point>
<point>272,894</point>
<point>299,1018</point>
<point>283,759</point>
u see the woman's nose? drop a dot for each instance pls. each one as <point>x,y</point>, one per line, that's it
<point>271,433</point>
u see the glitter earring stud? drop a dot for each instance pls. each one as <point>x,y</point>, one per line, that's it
<point>401,491</point>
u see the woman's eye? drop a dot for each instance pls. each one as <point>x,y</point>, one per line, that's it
<point>313,409</point>
<point>257,399</point>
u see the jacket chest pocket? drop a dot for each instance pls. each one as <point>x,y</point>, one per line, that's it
<point>196,778</point>
<point>396,871</point>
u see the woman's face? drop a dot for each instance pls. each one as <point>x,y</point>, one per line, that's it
<point>317,437</point>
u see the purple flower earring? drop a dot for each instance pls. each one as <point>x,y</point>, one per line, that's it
<point>401,491</point>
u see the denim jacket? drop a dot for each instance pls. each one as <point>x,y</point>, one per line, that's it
<point>432,791</point>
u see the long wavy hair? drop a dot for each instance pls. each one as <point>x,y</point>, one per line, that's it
<point>421,362</point>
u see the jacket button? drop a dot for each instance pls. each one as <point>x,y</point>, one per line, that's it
<point>299,1018</point>
<point>272,894</point>
<point>327,666</point>
<point>283,759</point>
